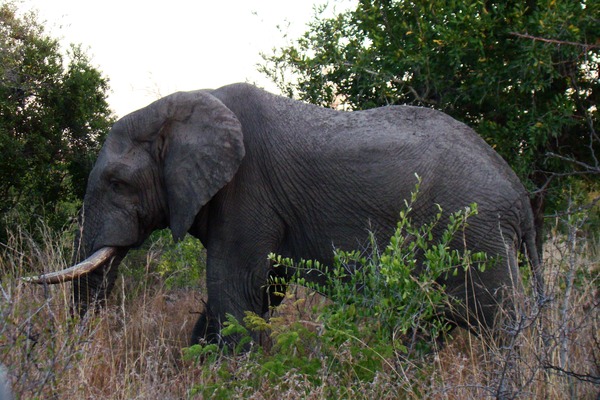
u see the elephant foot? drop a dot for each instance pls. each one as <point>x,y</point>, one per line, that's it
<point>207,329</point>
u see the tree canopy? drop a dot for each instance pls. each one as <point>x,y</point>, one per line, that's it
<point>53,115</point>
<point>523,74</point>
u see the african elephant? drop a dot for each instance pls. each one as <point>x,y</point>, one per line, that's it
<point>250,173</point>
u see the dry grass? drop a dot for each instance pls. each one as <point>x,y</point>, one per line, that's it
<point>132,350</point>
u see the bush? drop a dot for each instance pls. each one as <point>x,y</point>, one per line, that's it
<point>176,265</point>
<point>377,297</point>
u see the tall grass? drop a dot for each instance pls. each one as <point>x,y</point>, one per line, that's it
<point>133,348</point>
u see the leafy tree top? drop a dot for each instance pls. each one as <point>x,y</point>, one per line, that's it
<point>53,115</point>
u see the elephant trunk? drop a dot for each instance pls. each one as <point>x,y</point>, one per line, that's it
<point>92,289</point>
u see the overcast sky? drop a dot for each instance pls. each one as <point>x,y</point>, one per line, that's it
<point>150,49</point>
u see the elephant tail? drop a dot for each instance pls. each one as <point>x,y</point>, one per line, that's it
<point>529,248</point>
<point>535,263</point>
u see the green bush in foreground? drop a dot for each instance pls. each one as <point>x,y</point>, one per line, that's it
<point>376,317</point>
<point>378,298</point>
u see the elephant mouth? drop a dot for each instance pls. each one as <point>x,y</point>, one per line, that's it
<point>100,258</point>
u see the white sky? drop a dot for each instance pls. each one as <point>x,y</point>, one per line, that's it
<point>149,49</point>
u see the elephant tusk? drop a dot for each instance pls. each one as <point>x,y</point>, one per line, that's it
<point>88,265</point>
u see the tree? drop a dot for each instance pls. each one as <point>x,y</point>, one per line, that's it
<point>53,115</point>
<point>524,75</point>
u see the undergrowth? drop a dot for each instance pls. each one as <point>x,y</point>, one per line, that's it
<point>367,339</point>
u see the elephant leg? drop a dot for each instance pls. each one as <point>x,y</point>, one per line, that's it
<point>208,325</point>
<point>488,303</point>
<point>233,289</point>
<point>237,268</point>
<point>206,328</point>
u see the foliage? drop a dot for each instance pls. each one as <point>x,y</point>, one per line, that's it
<point>53,115</point>
<point>524,75</point>
<point>392,293</point>
<point>364,335</point>
<point>181,264</point>
<point>178,265</point>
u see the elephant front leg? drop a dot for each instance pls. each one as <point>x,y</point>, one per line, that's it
<point>207,327</point>
<point>232,290</point>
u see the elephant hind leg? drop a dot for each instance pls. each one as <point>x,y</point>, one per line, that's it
<point>275,291</point>
<point>488,301</point>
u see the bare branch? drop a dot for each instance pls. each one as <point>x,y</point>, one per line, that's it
<point>589,169</point>
<point>586,207</point>
<point>585,46</point>
<point>595,379</point>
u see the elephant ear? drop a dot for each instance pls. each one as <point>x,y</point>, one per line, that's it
<point>200,144</point>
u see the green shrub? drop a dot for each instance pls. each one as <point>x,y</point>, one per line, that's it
<point>377,298</point>
<point>176,265</point>
<point>182,264</point>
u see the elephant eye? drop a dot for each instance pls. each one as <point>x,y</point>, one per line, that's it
<point>118,186</point>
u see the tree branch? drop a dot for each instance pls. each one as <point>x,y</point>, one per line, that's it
<point>555,41</point>
<point>582,377</point>
<point>589,169</point>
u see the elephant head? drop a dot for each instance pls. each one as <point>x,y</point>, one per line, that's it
<point>158,167</point>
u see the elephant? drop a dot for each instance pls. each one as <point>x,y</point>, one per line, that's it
<point>251,173</point>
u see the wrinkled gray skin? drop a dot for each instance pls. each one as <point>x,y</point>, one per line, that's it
<point>5,392</point>
<point>250,173</point>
